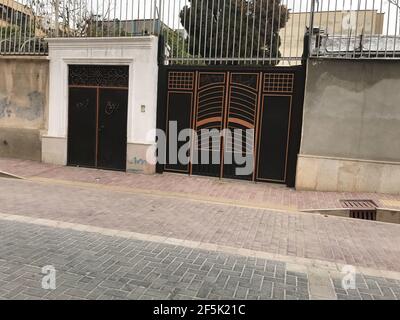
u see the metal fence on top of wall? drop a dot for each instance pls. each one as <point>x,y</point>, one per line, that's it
<point>274,32</point>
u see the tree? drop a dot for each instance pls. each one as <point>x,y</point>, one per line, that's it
<point>56,17</point>
<point>177,46</point>
<point>234,28</point>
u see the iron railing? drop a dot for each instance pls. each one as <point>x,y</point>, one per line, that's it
<point>213,31</point>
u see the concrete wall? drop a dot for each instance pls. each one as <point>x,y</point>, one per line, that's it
<point>23,106</point>
<point>351,130</point>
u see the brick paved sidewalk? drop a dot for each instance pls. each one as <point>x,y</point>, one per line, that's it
<point>265,195</point>
<point>313,236</point>
<point>97,266</point>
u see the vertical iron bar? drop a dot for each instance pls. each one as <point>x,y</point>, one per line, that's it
<point>285,33</point>
<point>234,30</point>
<point>272,32</point>
<point>11,26</point>
<point>205,34</point>
<point>223,31</point>
<point>254,14</point>
<point>174,34</point>
<point>266,32</point>
<point>229,27</point>
<point>327,24</point>
<point>319,29</point>
<point>183,40</point>
<point>364,32</point>
<point>278,38</point>
<point>311,31</point>
<point>259,30</point>
<point>387,28</point>
<point>396,29</point>
<point>201,27</point>
<point>356,31</point>
<point>334,26</point>
<point>372,34</point>
<point>247,31</point>
<point>216,33</point>
<point>212,27</point>
<point>240,30</point>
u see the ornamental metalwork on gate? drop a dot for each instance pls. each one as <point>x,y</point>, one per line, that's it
<point>227,103</point>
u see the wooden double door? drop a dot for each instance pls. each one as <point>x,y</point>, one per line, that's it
<point>97,118</point>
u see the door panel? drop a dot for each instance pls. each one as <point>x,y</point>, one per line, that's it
<point>179,111</point>
<point>82,127</point>
<point>112,129</point>
<point>274,138</point>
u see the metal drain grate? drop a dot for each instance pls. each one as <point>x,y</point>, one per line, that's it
<point>361,209</point>
<point>364,215</point>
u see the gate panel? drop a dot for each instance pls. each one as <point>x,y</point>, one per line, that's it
<point>209,115</point>
<point>274,138</point>
<point>241,116</point>
<point>82,127</point>
<point>179,110</point>
<point>256,114</point>
<point>112,129</point>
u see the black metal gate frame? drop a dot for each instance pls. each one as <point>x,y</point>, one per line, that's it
<point>100,82</point>
<point>97,110</point>
<point>296,116</point>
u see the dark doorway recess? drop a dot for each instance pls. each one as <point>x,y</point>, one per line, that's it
<point>97,119</point>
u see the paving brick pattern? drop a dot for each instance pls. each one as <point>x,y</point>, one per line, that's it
<point>354,242</point>
<point>94,266</point>
<point>261,193</point>
<point>369,288</point>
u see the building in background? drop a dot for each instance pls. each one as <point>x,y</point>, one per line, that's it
<point>15,16</point>
<point>342,24</point>
<point>134,27</point>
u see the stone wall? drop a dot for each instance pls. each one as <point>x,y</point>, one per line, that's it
<point>23,106</point>
<point>351,130</point>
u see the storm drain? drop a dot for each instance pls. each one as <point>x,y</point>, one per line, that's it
<point>361,209</point>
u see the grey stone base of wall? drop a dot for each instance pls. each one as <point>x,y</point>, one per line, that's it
<point>20,143</point>
<point>54,150</point>
<point>347,175</point>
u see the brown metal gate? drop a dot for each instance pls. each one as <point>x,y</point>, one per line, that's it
<point>267,100</point>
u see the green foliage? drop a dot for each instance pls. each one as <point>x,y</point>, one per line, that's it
<point>15,39</point>
<point>9,32</point>
<point>224,28</point>
<point>177,44</point>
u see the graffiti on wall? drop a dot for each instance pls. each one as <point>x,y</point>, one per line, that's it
<point>33,111</point>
